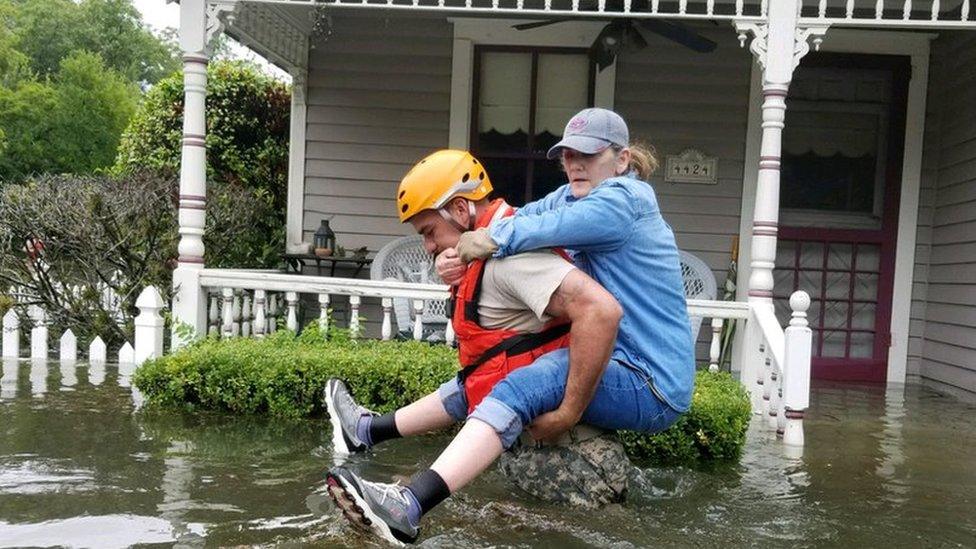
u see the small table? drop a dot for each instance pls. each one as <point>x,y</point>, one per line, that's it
<point>296,263</point>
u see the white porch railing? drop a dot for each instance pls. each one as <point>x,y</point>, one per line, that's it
<point>251,303</point>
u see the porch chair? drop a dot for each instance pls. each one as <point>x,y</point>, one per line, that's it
<point>699,284</point>
<point>405,260</point>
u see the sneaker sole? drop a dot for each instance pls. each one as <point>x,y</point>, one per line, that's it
<point>339,445</point>
<point>369,520</point>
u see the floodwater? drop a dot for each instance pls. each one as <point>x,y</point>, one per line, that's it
<point>82,466</point>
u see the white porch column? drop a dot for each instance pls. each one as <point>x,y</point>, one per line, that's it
<point>200,22</point>
<point>778,46</point>
<point>295,210</point>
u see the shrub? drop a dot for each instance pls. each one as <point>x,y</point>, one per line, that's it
<point>283,376</point>
<point>247,152</point>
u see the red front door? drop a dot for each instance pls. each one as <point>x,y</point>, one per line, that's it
<point>841,181</point>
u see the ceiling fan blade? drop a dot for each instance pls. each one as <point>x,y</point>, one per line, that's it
<point>537,24</point>
<point>680,34</point>
<point>604,49</point>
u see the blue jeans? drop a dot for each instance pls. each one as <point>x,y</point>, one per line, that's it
<point>624,399</point>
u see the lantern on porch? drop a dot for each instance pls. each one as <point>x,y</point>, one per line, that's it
<point>325,239</point>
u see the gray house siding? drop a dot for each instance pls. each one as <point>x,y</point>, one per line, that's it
<point>378,98</point>
<point>674,99</point>
<point>949,312</point>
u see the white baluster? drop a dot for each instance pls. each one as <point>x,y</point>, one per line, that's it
<point>213,315</point>
<point>710,7</point>
<point>68,347</point>
<point>780,410</point>
<point>273,313</point>
<point>547,7</point>
<point>965,10</point>
<point>654,5</point>
<point>764,7</point>
<point>682,7</point>
<point>906,12</point>
<point>386,332</point>
<point>97,353</point>
<point>771,416</point>
<point>761,376</point>
<point>235,313</point>
<point>38,332</point>
<point>767,381</point>
<point>324,313</point>
<point>715,349</point>
<point>601,5</point>
<point>449,334</point>
<point>418,320</point>
<point>292,321</point>
<point>227,313</point>
<point>879,9</point>
<point>796,371</point>
<point>354,301</point>
<point>246,315</point>
<point>627,4</point>
<point>149,326</point>
<point>11,335</point>
<point>738,7</point>
<point>260,321</point>
<point>822,9</point>
<point>850,9</point>
<point>935,10</point>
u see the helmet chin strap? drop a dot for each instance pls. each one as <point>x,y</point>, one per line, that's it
<point>472,216</point>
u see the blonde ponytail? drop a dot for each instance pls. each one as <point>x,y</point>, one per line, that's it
<point>643,159</point>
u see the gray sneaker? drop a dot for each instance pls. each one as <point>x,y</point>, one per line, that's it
<point>344,414</point>
<point>374,506</point>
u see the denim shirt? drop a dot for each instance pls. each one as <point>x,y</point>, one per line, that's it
<point>617,236</point>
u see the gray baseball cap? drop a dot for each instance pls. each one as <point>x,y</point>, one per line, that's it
<point>592,130</point>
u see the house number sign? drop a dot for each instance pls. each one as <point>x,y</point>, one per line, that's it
<point>691,166</point>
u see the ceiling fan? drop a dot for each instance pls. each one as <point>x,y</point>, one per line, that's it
<point>627,32</point>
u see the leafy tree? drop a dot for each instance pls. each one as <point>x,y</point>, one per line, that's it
<point>70,122</point>
<point>247,148</point>
<point>50,30</point>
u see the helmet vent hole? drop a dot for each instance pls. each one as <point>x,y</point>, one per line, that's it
<point>481,176</point>
<point>466,177</point>
<point>475,160</point>
<point>404,208</point>
<point>401,194</point>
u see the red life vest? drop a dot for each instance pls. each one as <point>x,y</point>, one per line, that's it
<point>488,355</point>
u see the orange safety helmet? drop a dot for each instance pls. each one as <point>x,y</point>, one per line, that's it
<point>442,176</point>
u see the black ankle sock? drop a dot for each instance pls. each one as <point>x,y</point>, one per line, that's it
<point>382,428</point>
<point>429,489</point>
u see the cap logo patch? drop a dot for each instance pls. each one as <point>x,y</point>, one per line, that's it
<point>577,124</point>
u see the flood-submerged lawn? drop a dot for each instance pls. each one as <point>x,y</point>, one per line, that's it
<point>81,466</point>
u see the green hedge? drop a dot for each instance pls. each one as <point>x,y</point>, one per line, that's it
<point>283,376</point>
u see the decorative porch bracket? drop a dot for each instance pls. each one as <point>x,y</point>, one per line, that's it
<point>778,44</point>
<point>201,22</point>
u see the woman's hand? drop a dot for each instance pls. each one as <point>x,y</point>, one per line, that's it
<point>449,267</point>
<point>475,245</point>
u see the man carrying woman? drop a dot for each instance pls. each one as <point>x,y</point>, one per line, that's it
<point>608,219</point>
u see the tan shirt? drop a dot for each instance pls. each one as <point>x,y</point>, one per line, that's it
<point>515,290</point>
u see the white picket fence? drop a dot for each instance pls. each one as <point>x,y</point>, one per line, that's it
<point>775,362</point>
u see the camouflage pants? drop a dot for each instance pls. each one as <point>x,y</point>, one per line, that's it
<point>588,473</point>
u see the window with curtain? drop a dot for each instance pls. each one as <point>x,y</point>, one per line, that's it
<point>523,98</point>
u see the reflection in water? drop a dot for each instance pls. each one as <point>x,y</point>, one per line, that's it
<point>96,372</point>
<point>881,468</point>
<point>8,382</point>
<point>126,370</point>
<point>69,378</point>
<point>38,377</point>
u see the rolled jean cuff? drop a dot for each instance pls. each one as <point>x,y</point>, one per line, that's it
<point>499,417</point>
<point>453,399</point>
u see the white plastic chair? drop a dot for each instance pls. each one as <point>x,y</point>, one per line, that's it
<point>699,283</point>
<point>405,259</point>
